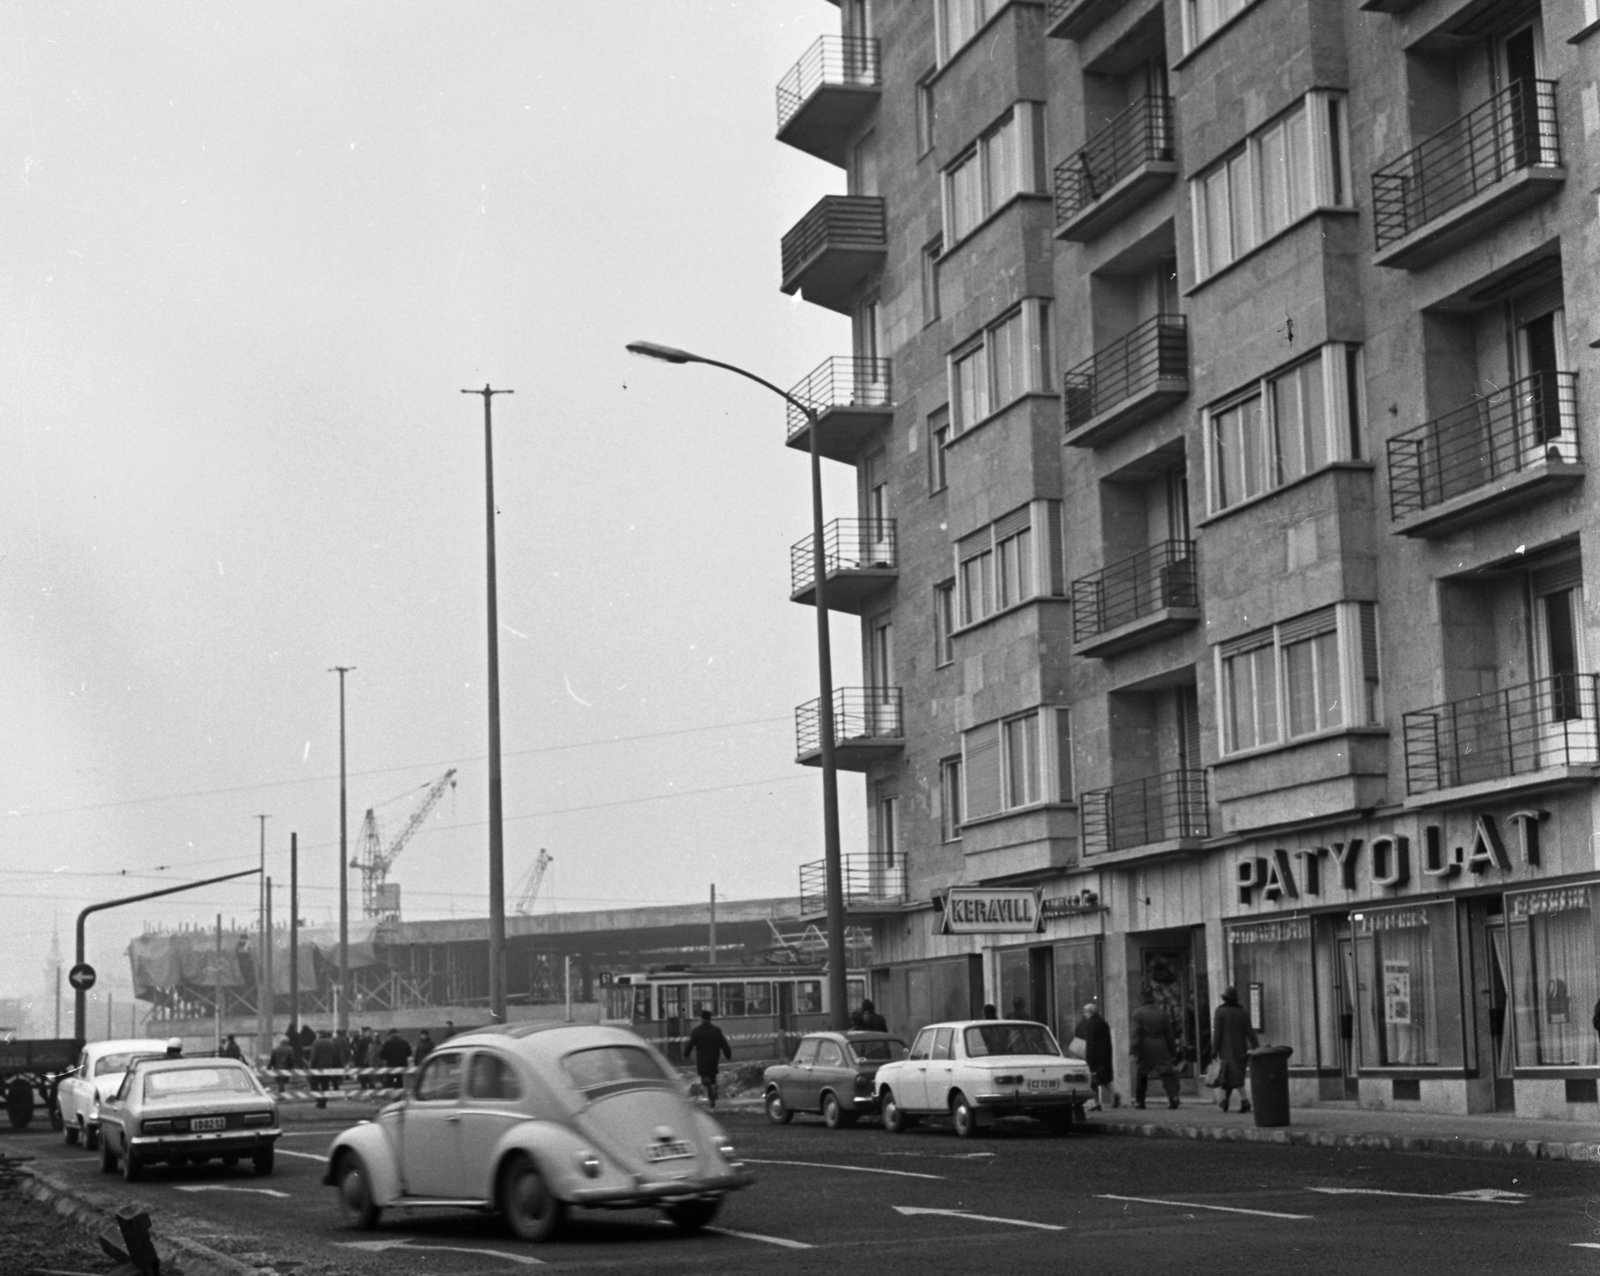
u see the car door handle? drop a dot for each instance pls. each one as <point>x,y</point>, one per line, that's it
<point>453,1117</point>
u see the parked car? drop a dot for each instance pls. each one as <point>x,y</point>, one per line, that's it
<point>831,1073</point>
<point>975,1070</point>
<point>187,1112</point>
<point>95,1078</point>
<point>529,1121</point>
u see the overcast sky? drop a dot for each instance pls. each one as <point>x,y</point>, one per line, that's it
<point>253,253</point>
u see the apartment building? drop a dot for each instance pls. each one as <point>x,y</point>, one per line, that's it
<point>1218,391</point>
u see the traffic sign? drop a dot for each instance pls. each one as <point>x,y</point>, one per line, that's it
<point>81,976</point>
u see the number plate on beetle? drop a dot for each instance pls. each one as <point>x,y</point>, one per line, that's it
<point>1044,1085</point>
<point>209,1123</point>
<point>675,1151</point>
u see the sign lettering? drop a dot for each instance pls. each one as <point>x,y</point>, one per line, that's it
<point>975,910</point>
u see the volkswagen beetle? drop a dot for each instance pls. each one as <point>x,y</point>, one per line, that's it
<point>530,1120</point>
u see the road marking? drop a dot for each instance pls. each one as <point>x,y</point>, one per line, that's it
<point>225,1187</point>
<point>1486,1195</point>
<point>980,1218</point>
<point>373,1247</point>
<point>756,1236</point>
<point>304,1156</point>
<point>854,1169</point>
<point>1585,1244</point>
<point>1195,1205</point>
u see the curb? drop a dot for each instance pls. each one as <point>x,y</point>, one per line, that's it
<point>94,1218</point>
<point>1520,1149</point>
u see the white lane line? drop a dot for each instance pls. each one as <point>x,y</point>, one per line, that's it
<point>981,1218</point>
<point>1195,1205</point>
<point>1474,1196</point>
<point>853,1169</point>
<point>756,1236</point>
<point>1584,1244</point>
<point>375,1247</point>
<point>304,1156</point>
<point>224,1187</point>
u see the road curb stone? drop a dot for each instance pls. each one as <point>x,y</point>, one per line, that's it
<point>1528,1149</point>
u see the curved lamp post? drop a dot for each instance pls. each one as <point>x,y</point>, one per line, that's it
<point>838,1009</point>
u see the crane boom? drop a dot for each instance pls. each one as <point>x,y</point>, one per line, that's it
<point>530,892</point>
<point>376,860</point>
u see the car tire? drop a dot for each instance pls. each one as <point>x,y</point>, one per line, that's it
<point>108,1158</point>
<point>963,1116</point>
<point>895,1118</point>
<point>262,1160</point>
<point>533,1212</point>
<point>354,1186</point>
<point>132,1168</point>
<point>692,1216</point>
<point>777,1110</point>
<point>834,1114</point>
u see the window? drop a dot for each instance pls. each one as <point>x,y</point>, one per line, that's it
<point>1555,941</point>
<point>674,1001</point>
<point>702,997</point>
<point>1020,742</point>
<point>1315,673</point>
<point>1285,426</point>
<point>927,116</point>
<point>758,999</point>
<point>829,1055</point>
<point>931,252</point>
<point>808,996</point>
<point>944,622</point>
<point>1274,959</point>
<point>950,796</point>
<point>959,20</point>
<point>1409,987</point>
<point>1285,170</point>
<point>1016,762</point>
<point>732,1000</point>
<point>1202,18</point>
<point>1007,360</point>
<point>1004,564</point>
<point>1006,161</point>
<point>491,1077</point>
<point>440,1079</point>
<point>938,445</point>
<point>887,836</point>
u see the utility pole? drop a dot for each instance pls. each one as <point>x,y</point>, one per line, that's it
<point>497,870</point>
<point>294,940</point>
<point>263,944</point>
<point>272,992</point>
<point>342,995</point>
<point>216,976</point>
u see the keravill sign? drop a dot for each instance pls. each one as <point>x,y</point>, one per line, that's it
<point>978,910</point>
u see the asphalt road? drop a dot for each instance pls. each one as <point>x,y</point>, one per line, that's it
<point>864,1201</point>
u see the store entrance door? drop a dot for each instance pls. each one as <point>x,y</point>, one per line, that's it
<point>1501,1045</point>
<point>1345,1000</point>
<point>1177,978</point>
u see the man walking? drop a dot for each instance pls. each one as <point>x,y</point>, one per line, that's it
<point>709,1047</point>
<point>324,1059</point>
<point>1151,1043</point>
<point>1231,1037</point>
<point>394,1052</point>
<point>1095,1033</point>
<point>871,1020</point>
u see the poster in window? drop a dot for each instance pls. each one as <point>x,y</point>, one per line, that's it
<point>1397,992</point>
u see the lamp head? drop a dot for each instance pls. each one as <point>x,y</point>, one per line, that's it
<point>667,354</point>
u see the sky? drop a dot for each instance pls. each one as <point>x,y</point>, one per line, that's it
<point>253,254</point>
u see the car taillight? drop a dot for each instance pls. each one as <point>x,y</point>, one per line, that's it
<point>1008,1079</point>
<point>163,1126</point>
<point>258,1118</point>
<point>863,1083</point>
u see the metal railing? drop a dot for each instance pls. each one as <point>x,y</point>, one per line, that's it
<point>1137,586</point>
<point>1160,808</point>
<point>841,382</point>
<point>848,544</point>
<point>1139,135</point>
<point>859,713</point>
<point>833,59</point>
<point>1546,723</point>
<point>837,221</point>
<point>1525,424</point>
<point>1158,349</point>
<point>868,880</point>
<point>1514,129</point>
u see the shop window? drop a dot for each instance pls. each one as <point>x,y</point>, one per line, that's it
<point>1272,967</point>
<point>1555,976</point>
<point>1077,980</point>
<point>1410,987</point>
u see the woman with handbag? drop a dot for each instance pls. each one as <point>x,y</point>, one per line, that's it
<point>1231,1037</point>
<point>1091,1042</point>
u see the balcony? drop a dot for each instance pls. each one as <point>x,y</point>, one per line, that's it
<point>834,249</point>
<point>853,401</point>
<point>1122,166</point>
<point>860,557</point>
<point>872,888</point>
<point>867,728</point>
<point>1135,601</point>
<point>827,95</point>
<point>1127,382</point>
<point>1480,171</point>
<point>1541,733</point>
<point>1161,814</point>
<point>1074,19</point>
<point>1509,449</point>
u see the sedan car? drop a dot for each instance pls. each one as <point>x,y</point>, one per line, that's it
<point>831,1073</point>
<point>975,1070</point>
<point>93,1080</point>
<point>531,1120</point>
<point>187,1111</point>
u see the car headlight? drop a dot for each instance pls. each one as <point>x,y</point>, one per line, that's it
<point>588,1164</point>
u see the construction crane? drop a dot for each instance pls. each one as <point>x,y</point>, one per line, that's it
<point>528,888</point>
<point>380,898</point>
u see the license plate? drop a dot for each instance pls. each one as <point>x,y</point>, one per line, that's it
<point>667,1151</point>
<point>209,1123</point>
<point>1044,1085</point>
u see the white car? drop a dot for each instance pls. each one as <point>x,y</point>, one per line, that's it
<point>94,1079</point>
<point>974,1070</point>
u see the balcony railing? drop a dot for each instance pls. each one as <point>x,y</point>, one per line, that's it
<point>1515,129</point>
<point>1162,808</point>
<point>1156,351</point>
<point>1148,582</point>
<point>1140,135</point>
<point>848,545</point>
<point>849,62</point>
<point>861,715</point>
<point>830,251</point>
<point>841,382</point>
<point>868,883</point>
<point>1499,734</point>
<point>1524,426</point>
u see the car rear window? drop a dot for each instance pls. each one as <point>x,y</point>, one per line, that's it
<point>119,1062</point>
<point>175,1082</point>
<point>879,1051</point>
<point>602,1066</point>
<point>1010,1038</point>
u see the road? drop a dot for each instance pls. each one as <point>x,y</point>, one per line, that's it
<point>864,1201</point>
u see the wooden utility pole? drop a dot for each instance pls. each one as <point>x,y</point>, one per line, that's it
<point>294,940</point>
<point>342,993</point>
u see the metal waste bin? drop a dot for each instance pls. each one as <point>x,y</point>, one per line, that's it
<point>1269,1084</point>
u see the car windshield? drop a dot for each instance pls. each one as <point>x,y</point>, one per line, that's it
<point>600,1067</point>
<point>118,1062</point>
<point>884,1051</point>
<point>171,1083</point>
<point>1010,1038</point>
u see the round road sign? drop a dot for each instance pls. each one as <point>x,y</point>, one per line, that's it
<point>81,976</point>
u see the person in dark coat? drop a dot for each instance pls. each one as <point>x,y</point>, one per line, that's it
<point>282,1060</point>
<point>1151,1043</point>
<point>394,1052</point>
<point>230,1048</point>
<point>709,1048</point>
<point>303,1042</point>
<point>361,1048</point>
<point>324,1058</point>
<point>871,1019</point>
<point>1095,1033</point>
<point>424,1047</point>
<point>1231,1036</point>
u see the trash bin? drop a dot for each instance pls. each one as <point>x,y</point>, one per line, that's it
<point>1269,1084</point>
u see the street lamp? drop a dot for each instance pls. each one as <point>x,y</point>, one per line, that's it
<point>838,1009</point>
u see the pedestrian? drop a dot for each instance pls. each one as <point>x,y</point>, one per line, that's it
<point>308,1036</point>
<point>1231,1036</point>
<point>858,1021</point>
<point>989,1010</point>
<point>282,1061</point>
<point>709,1047</point>
<point>1019,1008</point>
<point>230,1048</point>
<point>324,1059</point>
<point>1151,1043</point>
<point>449,1029</point>
<point>361,1047</point>
<point>394,1052</point>
<point>1095,1033</point>
<point>424,1047</point>
<point>871,1019</point>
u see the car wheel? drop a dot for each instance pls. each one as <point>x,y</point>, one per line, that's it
<point>262,1160</point>
<point>834,1114</point>
<point>132,1168</point>
<point>355,1192</point>
<point>532,1210</point>
<point>895,1119</point>
<point>108,1158</point>
<point>777,1110</point>
<point>963,1116</point>
<point>691,1216</point>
